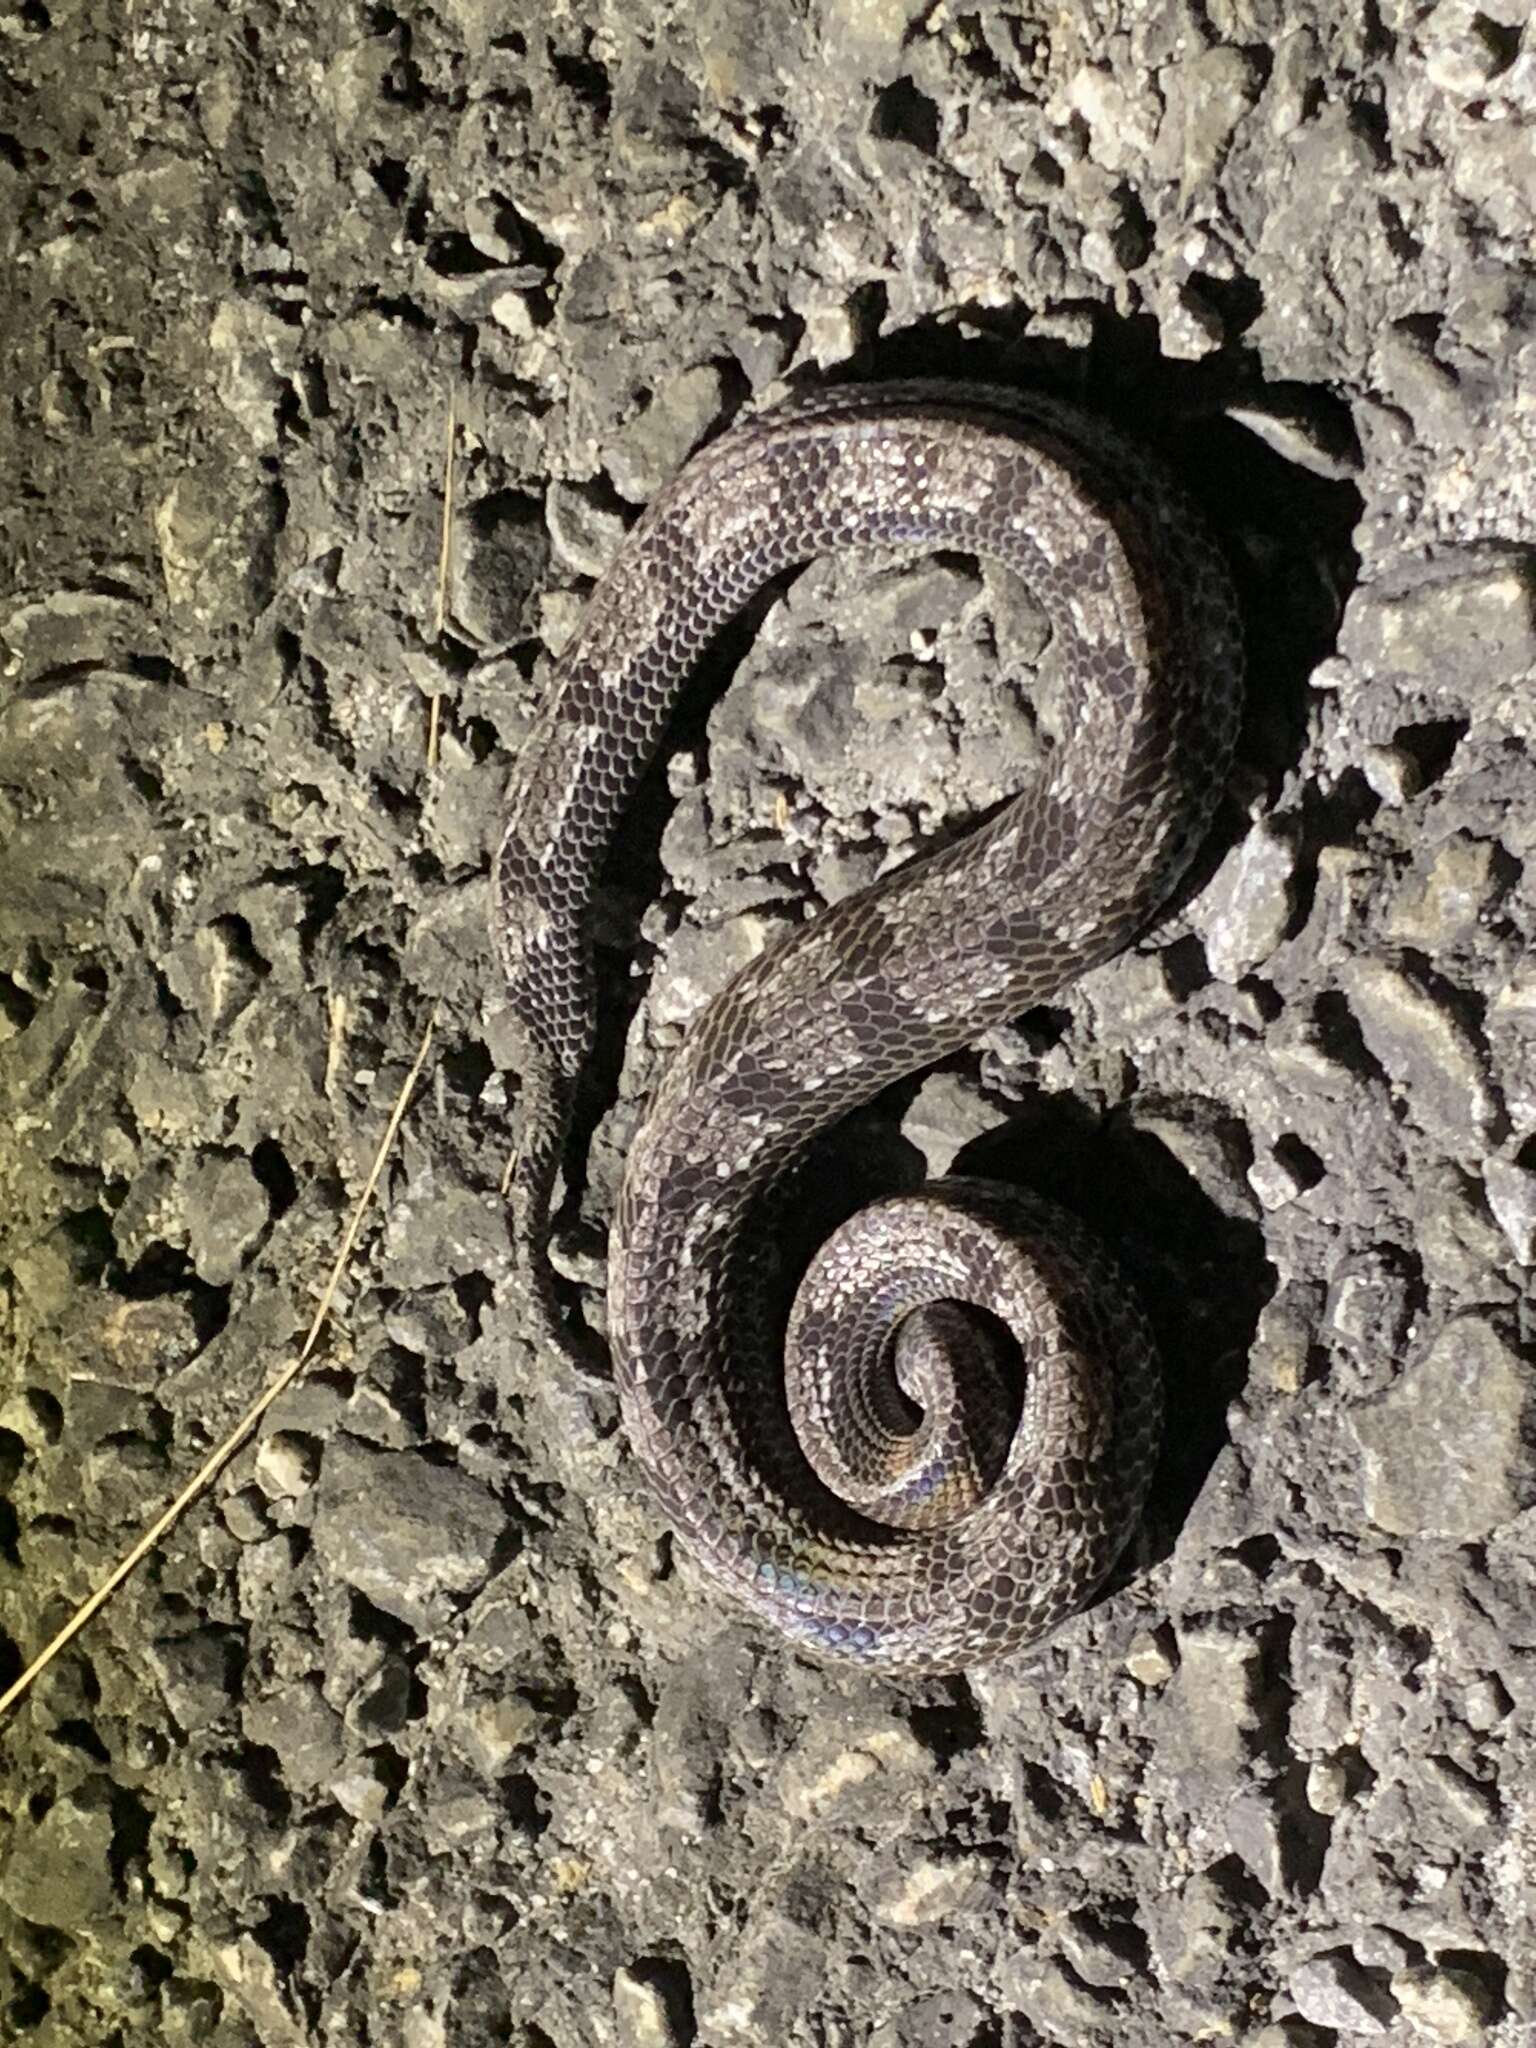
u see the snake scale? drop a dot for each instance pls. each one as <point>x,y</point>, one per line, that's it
<point>960,1442</point>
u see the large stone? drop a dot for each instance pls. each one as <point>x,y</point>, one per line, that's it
<point>943,2019</point>
<point>642,2010</point>
<point>196,1673</point>
<point>57,1871</point>
<point>1334,1991</point>
<point>217,531</point>
<point>439,1227</point>
<point>1445,2004</point>
<point>306,1734</point>
<point>1465,634</point>
<point>1443,902</point>
<point>227,1210</point>
<point>1425,1049</point>
<point>413,1537</point>
<point>1450,1451</point>
<point>1214,1702</point>
<point>1458,1243</point>
<point>947,1114</point>
<point>1242,912</point>
<point>655,445</point>
<point>1462,51</point>
<point>931,1890</point>
<point>498,562</point>
<point>1511,1190</point>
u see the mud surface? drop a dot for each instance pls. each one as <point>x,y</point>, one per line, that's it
<point>416,1731</point>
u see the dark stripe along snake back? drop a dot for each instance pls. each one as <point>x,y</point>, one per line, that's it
<point>915,1491</point>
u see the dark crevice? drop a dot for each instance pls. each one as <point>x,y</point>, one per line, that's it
<point>82,1736</point>
<point>467,1067</point>
<point>903,113</point>
<point>131,1821</point>
<point>29,2008</point>
<point>392,176</point>
<point>1431,747</point>
<point>1300,1161</point>
<point>949,1728</point>
<point>454,255</point>
<point>17,1006</point>
<point>524,1804</point>
<point>668,1978</point>
<point>284,1933</point>
<point>586,77</point>
<point>269,1163</point>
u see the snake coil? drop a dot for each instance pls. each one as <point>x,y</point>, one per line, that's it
<point>962,1440</point>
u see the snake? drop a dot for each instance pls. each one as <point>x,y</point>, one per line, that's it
<point>935,1452</point>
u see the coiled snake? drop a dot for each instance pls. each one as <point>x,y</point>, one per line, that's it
<point>962,1440</point>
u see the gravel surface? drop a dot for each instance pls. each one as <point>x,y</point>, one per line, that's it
<point>416,1731</point>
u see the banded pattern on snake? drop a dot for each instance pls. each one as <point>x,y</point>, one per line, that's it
<point>962,1440</point>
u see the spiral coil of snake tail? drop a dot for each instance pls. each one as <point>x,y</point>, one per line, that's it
<point>885,1502</point>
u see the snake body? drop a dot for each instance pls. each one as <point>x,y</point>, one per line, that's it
<point>962,1440</point>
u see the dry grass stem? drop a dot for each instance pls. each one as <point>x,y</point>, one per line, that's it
<point>335,1042</point>
<point>220,1456</point>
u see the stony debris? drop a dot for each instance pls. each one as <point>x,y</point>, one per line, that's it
<point>58,1870</point>
<point>642,2012</point>
<point>1415,1033</point>
<point>411,1536</point>
<point>1242,914</point>
<point>1453,2004</point>
<point>417,1729</point>
<point>1334,1991</point>
<point>1449,1450</point>
<point>1511,1191</point>
<point>1290,2033</point>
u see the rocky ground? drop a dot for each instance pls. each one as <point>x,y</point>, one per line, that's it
<point>416,1731</point>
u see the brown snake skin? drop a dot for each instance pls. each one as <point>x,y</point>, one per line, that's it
<point>919,1489</point>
